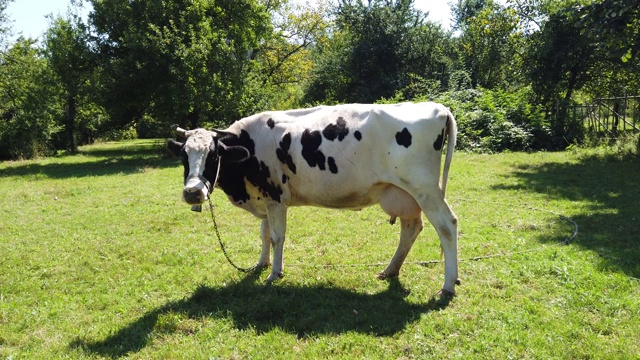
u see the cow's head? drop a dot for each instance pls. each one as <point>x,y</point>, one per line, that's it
<point>201,153</point>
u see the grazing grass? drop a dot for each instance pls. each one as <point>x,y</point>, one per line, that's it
<point>100,259</point>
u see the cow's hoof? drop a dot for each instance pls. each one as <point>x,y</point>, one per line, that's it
<point>446,294</point>
<point>384,276</point>
<point>260,266</point>
<point>457,281</point>
<point>273,277</point>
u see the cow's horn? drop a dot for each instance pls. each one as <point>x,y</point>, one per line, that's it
<point>220,133</point>
<point>179,131</point>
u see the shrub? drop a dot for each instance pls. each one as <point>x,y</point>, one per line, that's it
<point>149,128</point>
<point>119,134</point>
<point>493,121</point>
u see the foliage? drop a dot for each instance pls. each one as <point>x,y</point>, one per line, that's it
<point>496,121</point>
<point>26,109</point>
<point>284,60</point>
<point>614,29</point>
<point>68,55</point>
<point>490,120</point>
<point>374,50</point>
<point>190,59</point>
<point>135,67</point>
<point>573,53</point>
<point>331,78</point>
<point>141,276</point>
<point>490,43</point>
<point>27,103</point>
<point>5,29</point>
<point>534,13</point>
<point>618,22</point>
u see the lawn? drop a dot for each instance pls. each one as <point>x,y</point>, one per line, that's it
<point>100,259</point>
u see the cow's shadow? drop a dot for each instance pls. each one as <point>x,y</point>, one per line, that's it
<point>301,310</point>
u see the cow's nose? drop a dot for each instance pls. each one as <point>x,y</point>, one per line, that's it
<point>192,196</point>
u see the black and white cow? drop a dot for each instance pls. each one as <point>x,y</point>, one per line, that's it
<point>342,157</point>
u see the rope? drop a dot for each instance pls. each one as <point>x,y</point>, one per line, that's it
<point>421,263</point>
<point>215,226</point>
<point>224,250</point>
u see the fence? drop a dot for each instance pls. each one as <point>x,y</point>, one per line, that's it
<point>609,116</point>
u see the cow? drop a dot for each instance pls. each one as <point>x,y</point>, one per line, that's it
<point>342,157</point>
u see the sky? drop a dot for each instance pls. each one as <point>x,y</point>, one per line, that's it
<point>29,16</point>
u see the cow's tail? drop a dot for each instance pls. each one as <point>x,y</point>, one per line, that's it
<point>451,133</point>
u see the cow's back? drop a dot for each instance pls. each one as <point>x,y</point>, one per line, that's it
<point>345,156</point>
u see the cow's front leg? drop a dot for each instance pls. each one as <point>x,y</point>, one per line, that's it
<point>277,218</point>
<point>265,235</point>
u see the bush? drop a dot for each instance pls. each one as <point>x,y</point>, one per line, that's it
<point>119,134</point>
<point>507,136</point>
<point>494,121</point>
<point>150,128</point>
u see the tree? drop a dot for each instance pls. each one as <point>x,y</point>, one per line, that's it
<point>4,28</point>
<point>374,50</point>
<point>26,108</point>
<point>559,63</point>
<point>70,58</point>
<point>331,77</point>
<point>284,57</point>
<point>464,10</point>
<point>180,61</point>
<point>489,42</point>
<point>616,21</point>
<point>584,47</point>
<point>613,27</point>
<point>27,104</point>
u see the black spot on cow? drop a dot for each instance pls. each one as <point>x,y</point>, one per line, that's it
<point>358,135</point>
<point>257,173</point>
<point>285,178</point>
<point>332,165</point>
<point>439,141</point>
<point>311,141</point>
<point>271,123</point>
<point>403,138</point>
<point>263,182</point>
<point>338,131</point>
<point>232,174</point>
<point>283,152</point>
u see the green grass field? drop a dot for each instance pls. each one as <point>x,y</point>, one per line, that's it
<point>100,259</point>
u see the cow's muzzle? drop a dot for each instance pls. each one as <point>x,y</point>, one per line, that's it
<point>196,190</point>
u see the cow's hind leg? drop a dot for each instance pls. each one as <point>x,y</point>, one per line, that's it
<point>410,228</point>
<point>446,224</point>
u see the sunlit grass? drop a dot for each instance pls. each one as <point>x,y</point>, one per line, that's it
<point>101,259</point>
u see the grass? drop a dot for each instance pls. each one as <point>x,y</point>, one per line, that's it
<point>100,259</point>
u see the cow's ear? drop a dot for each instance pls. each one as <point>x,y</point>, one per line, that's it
<point>235,153</point>
<point>174,146</point>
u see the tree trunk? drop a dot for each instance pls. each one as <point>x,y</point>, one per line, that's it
<point>564,126</point>
<point>70,123</point>
<point>194,119</point>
